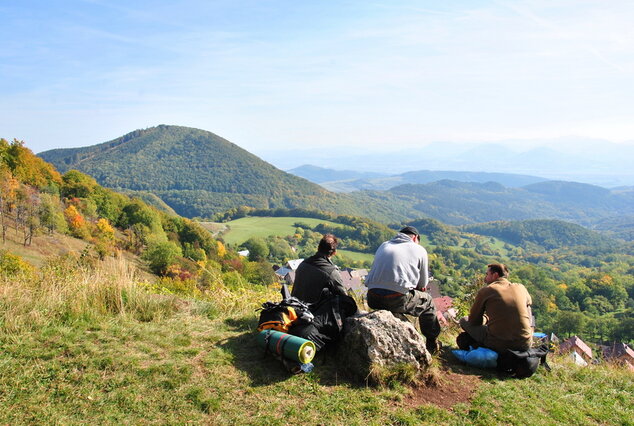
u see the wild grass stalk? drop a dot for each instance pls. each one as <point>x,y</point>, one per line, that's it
<point>68,290</point>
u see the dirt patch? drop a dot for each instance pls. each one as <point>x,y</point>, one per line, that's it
<point>446,389</point>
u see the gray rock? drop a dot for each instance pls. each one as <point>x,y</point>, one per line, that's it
<point>378,341</point>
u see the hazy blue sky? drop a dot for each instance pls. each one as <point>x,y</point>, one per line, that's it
<point>283,74</point>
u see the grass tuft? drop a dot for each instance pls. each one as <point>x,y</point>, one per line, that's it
<point>68,291</point>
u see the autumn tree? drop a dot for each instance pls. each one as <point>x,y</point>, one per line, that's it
<point>8,193</point>
<point>51,214</point>
<point>161,255</point>
<point>76,222</point>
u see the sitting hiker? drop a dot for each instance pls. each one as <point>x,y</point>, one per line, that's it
<point>318,273</point>
<point>319,283</point>
<point>507,308</point>
<point>397,278</point>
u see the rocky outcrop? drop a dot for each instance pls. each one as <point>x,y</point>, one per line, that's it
<point>378,341</point>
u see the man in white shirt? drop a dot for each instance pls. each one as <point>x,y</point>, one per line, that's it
<point>397,279</point>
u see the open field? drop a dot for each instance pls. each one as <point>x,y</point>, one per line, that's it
<point>242,229</point>
<point>354,255</point>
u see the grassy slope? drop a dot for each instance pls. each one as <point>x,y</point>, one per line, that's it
<point>354,255</point>
<point>162,359</point>
<point>43,246</point>
<point>242,229</point>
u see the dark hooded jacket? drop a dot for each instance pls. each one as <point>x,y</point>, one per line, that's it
<point>314,275</point>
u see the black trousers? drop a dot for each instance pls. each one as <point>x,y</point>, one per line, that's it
<point>415,303</point>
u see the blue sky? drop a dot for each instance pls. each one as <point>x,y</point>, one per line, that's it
<point>287,74</point>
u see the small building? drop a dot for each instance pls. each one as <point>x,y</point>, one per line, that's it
<point>575,344</point>
<point>293,264</point>
<point>283,273</point>
<point>578,359</point>
<point>620,353</point>
<point>433,287</point>
<point>352,282</point>
<point>290,278</point>
<point>243,253</point>
<point>359,273</point>
<point>444,309</point>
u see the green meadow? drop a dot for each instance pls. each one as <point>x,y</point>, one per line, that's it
<point>244,228</point>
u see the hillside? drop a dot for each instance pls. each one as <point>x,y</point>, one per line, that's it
<point>547,234</point>
<point>89,338</point>
<point>198,173</point>
<point>92,345</point>
<point>617,227</point>
<point>461,203</point>
<point>45,216</point>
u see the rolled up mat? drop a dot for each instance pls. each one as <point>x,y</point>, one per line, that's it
<point>287,345</point>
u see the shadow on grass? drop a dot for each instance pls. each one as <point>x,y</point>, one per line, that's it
<point>263,369</point>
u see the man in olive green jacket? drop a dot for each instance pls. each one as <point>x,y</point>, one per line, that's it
<point>500,317</point>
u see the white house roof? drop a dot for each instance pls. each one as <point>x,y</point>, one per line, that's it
<point>293,264</point>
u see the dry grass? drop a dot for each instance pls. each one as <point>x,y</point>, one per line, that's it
<point>67,289</point>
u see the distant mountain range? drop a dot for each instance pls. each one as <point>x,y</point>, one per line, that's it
<point>198,174</point>
<point>348,180</point>
<point>597,162</point>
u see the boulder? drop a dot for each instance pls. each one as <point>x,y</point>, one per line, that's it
<point>378,341</point>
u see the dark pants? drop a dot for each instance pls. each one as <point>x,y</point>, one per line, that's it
<point>416,303</point>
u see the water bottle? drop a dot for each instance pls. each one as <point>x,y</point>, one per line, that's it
<point>307,368</point>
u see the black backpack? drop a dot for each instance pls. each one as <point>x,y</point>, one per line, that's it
<point>329,314</point>
<point>282,315</point>
<point>523,364</point>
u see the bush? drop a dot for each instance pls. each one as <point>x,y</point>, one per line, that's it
<point>161,255</point>
<point>12,265</point>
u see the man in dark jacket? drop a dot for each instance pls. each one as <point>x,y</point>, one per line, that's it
<point>318,273</point>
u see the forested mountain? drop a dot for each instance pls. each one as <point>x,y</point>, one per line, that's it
<point>547,234</point>
<point>198,173</point>
<point>348,181</point>
<point>617,227</point>
<point>460,203</point>
<point>37,202</point>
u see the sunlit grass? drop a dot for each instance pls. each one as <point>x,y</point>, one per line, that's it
<point>242,229</point>
<point>89,344</point>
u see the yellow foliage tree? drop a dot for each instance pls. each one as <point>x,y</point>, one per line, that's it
<point>105,230</point>
<point>222,250</point>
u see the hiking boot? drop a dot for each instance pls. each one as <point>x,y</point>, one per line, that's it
<point>433,346</point>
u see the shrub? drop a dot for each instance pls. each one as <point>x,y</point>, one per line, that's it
<point>161,255</point>
<point>12,265</point>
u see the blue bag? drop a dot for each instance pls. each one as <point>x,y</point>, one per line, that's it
<point>481,357</point>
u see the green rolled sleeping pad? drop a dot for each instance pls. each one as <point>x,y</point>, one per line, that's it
<point>289,346</point>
